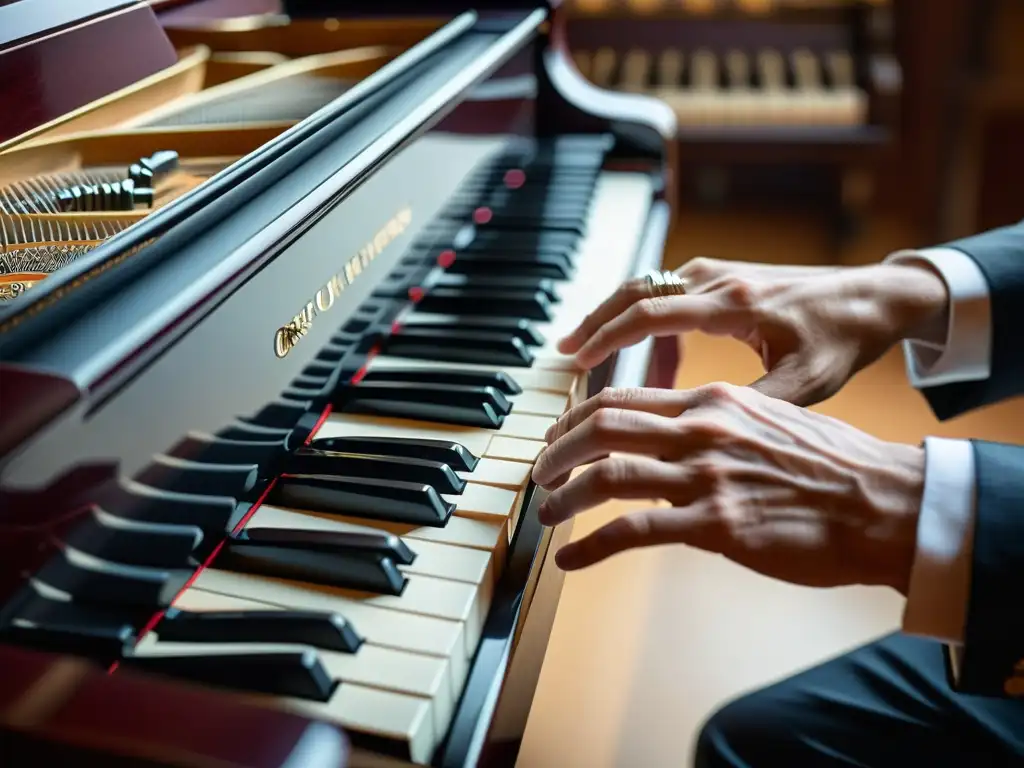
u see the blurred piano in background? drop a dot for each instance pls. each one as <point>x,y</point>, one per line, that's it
<point>279,293</point>
<point>844,105</point>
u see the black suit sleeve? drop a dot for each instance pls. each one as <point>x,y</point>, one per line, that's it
<point>1000,256</point>
<point>991,660</point>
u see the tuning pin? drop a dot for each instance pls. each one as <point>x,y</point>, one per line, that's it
<point>126,201</point>
<point>141,175</point>
<point>66,201</point>
<point>87,201</point>
<point>142,197</point>
<point>107,201</point>
<point>161,163</point>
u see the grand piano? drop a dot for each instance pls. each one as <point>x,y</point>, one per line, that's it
<point>280,287</point>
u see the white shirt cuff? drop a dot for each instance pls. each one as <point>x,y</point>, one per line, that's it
<point>966,352</point>
<point>940,579</point>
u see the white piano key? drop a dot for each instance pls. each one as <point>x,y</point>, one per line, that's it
<point>423,595</point>
<point>377,626</point>
<point>513,475</point>
<point>602,68</point>
<point>669,73</point>
<point>394,716</point>
<point>636,68</point>
<point>514,449</point>
<point>582,59</point>
<point>483,501</point>
<point>412,674</point>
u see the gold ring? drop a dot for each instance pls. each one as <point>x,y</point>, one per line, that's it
<point>665,283</point>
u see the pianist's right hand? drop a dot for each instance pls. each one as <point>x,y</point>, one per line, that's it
<point>813,327</point>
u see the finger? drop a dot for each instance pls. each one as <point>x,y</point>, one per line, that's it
<point>606,431</point>
<point>663,402</point>
<point>617,477</point>
<point>658,316</point>
<point>643,528</point>
<point>626,295</point>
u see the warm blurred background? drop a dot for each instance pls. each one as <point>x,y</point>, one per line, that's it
<point>911,133</point>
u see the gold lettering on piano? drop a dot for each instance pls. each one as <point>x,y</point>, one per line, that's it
<point>287,336</point>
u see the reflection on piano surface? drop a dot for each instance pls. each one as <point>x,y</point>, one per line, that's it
<point>281,356</point>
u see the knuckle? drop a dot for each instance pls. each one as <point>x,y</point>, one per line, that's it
<point>603,422</point>
<point>720,392</point>
<point>701,268</point>
<point>609,474</point>
<point>647,310</point>
<point>739,292</point>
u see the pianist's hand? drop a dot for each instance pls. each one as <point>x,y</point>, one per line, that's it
<point>813,327</point>
<point>790,493</point>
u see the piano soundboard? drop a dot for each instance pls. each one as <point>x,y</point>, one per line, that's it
<point>277,355</point>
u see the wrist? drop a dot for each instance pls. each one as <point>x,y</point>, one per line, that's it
<point>916,300</point>
<point>898,507</point>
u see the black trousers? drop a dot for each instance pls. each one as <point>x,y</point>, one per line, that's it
<point>885,704</point>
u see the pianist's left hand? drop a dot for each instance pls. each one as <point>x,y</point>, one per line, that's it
<point>793,494</point>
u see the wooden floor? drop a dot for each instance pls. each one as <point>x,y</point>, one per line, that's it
<point>646,645</point>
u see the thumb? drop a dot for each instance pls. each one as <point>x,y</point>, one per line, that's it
<point>793,378</point>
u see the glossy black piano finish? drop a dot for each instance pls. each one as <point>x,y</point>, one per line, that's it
<point>240,309</point>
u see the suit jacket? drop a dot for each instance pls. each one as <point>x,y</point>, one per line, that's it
<point>991,660</point>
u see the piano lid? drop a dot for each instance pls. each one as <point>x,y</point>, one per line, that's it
<point>60,59</point>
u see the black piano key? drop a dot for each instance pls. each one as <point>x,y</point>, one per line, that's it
<point>332,353</point>
<point>313,394</point>
<point>498,380</point>
<point>358,545</point>
<point>459,346</point>
<point>420,393</point>
<point>245,431</point>
<point>441,324</point>
<point>540,265</point>
<point>320,368</point>
<point>393,501</point>
<point>379,575</point>
<point>499,282</point>
<point>184,476</point>
<point>312,461</point>
<point>130,542</point>
<point>327,631</point>
<point>481,415</point>
<point>211,514</point>
<point>280,415</point>
<point>494,238</point>
<point>300,674</point>
<point>209,449</point>
<point>443,451</point>
<point>56,626</point>
<point>309,381</point>
<point>112,584</point>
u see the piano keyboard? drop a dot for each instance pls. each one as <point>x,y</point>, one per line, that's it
<point>740,87</point>
<point>358,589</point>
